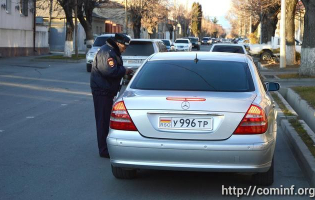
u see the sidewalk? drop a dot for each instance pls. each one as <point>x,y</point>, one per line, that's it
<point>270,75</point>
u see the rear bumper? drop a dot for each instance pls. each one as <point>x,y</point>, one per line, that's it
<point>214,156</point>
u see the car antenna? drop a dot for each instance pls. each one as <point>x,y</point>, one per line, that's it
<point>196,59</point>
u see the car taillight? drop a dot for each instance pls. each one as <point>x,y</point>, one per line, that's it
<point>254,122</point>
<point>120,118</point>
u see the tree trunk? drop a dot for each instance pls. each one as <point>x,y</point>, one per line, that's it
<point>136,30</point>
<point>308,47</point>
<point>290,30</point>
<point>269,23</point>
<point>86,21</point>
<point>67,7</point>
<point>255,26</point>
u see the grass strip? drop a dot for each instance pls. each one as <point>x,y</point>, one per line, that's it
<point>296,75</point>
<point>303,134</point>
<point>61,57</point>
<point>281,105</point>
<point>306,93</point>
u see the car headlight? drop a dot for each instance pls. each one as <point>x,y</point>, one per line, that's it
<point>90,54</point>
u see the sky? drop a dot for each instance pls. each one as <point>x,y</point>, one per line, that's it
<point>212,8</point>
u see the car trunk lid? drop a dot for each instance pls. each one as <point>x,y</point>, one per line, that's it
<point>201,116</point>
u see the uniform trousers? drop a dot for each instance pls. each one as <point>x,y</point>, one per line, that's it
<point>103,107</point>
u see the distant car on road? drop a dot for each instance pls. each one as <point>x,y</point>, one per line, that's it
<point>229,48</point>
<point>169,45</point>
<point>206,40</point>
<point>205,112</point>
<point>183,44</point>
<point>195,42</point>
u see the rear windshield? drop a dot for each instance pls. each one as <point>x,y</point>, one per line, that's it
<point>166,42</point>
<point>193,39</point>
<point>205,38</point>
<point>229,49</point>
<point>100,41</point>
<point>205,75</point>
<point>181,41</point>
<point>139,48</point>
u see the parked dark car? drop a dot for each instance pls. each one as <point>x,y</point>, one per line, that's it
<point>169,45</point>
<point>195,42</point>
<point>206,40</point>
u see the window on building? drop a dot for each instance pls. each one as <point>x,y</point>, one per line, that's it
<point>24,7</point>
<point>8,6</point>
<point>96,29</point>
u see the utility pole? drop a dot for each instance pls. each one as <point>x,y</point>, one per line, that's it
<point>126,22</point>
<point>282,36</point>
<point>76,28</point>
<point>49,27</point>
<point>261,25</point>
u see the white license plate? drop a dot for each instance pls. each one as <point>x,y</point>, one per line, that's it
<point>187,123</point>
<point>134,61</point>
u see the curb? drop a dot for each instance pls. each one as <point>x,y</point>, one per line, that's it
<point>300,150</point>
<point>290,80</point>
<point>58,60</point>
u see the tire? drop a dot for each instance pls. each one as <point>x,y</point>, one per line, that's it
<point>198,48</point>
<point>88,67</point>
<point>121,173</point>
<point>265,178</point>
<point>266,56</point>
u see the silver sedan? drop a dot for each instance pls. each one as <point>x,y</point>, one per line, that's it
<point>195,112</point>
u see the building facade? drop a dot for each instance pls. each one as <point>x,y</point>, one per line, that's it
<point>17,27</point>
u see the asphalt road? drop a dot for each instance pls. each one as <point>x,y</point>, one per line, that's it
<point>48,147</point>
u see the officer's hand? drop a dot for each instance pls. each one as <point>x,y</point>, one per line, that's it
<point>129,71</point>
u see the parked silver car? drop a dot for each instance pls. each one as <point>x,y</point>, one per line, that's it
<point>204,112</point>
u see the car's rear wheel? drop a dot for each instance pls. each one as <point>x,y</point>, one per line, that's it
<point>88,67</point>
<point>122,173</point>
<point>265,178</point>
<point>266,56</point>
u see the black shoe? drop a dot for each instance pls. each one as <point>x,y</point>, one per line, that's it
<point>104,155</point>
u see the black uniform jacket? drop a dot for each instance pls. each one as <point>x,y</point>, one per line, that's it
<point>107,70</point>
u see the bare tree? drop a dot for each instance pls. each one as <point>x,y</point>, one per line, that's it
<point>149,12</point>
<point>308,47</point>
<point>67,6</point>
<point>264,12</point>
<point>153,15</point>
<point>85,16</point>
<point>290,31</point>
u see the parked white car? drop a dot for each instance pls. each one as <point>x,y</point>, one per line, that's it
<point>99,41</point>
<point>183,45</point>
<point>267,51</point>
<point>138,51</point>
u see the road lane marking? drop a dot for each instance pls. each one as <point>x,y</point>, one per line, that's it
<point>60,90</point>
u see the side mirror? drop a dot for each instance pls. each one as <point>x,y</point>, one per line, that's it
<point>89,46</point>
<point>272,86</point>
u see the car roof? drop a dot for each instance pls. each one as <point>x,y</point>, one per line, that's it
<point>107,35</point>
<point>145,40</point>
<point>225,44</point>
<point>182,39</point>
<point>200,55</point>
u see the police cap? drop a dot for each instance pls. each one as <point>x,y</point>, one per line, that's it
<point>122,39</point>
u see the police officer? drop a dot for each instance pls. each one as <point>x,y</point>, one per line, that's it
<point>106,74</point>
